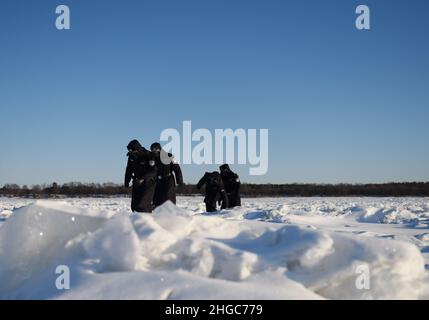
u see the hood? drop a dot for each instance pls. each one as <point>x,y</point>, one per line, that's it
<point>134,145</point>
<point>224,166</point>
<point>136,150</point>
<point>155,145</point>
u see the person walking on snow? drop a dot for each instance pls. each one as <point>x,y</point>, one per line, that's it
<point>142,170</point>
<point>214,191</point>
<point>169,175</point>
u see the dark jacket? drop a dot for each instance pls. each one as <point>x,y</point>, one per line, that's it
<point>214,190</point>
<point>169,174</point>
<point>167,168</point>
<point>232,184</point>
<point>141,163</point>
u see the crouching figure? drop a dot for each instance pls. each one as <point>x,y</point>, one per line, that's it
<point>231,182</point>
<point>214,191</point>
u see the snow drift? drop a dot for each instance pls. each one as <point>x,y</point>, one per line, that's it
<point>175,253</point>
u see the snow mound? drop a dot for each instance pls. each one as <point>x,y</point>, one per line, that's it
<point>37,234</point>
<point>390,215</point>
<point>177,254</point>
<point>364,210</point>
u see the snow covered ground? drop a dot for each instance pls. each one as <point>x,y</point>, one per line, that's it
<point>271,248</point>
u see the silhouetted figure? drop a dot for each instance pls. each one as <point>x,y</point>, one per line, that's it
<point>141,169</point>
<point>169,174</point>
<point>215,191</point>
<point>231,182</point>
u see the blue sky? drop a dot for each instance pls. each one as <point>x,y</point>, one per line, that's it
<point>341,105</point>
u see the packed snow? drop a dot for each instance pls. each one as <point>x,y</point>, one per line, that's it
<point>271,248</point>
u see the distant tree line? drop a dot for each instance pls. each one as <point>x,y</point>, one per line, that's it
<point>77,189</point>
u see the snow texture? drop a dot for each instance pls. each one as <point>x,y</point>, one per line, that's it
<point>271,248</point>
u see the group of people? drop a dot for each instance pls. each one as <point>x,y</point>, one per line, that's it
<point>221,188</point>
<point>155,173</point>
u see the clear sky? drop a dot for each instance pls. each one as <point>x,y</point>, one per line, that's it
<point>341,105</point>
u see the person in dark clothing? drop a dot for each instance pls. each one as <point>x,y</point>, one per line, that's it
<point>215,191</point>
<point>169,174</point>
<point>142,170</point>
<point>231,182</point>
